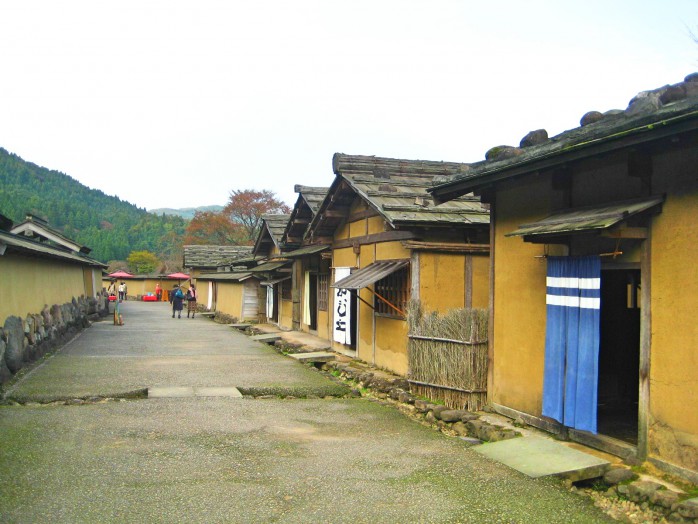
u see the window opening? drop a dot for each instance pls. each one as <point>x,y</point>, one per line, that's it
<point>392,294</point>
<point>322,291</point>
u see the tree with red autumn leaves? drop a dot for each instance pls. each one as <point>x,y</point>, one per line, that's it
<point>245,207</point>
<point>209,228</point>
<point>238,223</point>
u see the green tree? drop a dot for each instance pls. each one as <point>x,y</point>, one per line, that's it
<point>142,262</point>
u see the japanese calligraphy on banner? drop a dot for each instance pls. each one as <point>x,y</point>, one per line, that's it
<point>342,309</point>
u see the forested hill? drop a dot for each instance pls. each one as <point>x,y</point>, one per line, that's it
<point>110,226</point>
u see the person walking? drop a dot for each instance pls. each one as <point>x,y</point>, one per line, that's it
<point>177,299</point>
<point>191,301</point>
<point>122,291</point>
<point>158,291</point>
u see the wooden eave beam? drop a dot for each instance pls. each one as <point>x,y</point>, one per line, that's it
<point>336,213</point>
<point>627,232</point>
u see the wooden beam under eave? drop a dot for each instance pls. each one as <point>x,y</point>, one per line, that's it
<point>336,213</point>
<point>627,232</point>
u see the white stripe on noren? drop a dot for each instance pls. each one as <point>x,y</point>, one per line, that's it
<point>578,302</point>
<point>574,283</point>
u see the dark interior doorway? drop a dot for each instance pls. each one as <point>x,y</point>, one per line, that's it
<point>313,301</point>
<point>619,354</point>
<point>354,319</point>
<point>275,308</point>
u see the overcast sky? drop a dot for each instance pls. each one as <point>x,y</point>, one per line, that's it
<point>174,104</point>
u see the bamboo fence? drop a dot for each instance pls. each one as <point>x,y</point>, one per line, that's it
<point>447,356</point>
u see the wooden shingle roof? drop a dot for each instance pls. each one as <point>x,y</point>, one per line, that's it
<point>213,256</point>
<point>307,204</point>
<point>271,232</point>
<point>396,189</point>
<point>650,115</point>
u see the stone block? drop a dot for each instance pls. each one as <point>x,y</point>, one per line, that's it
<point>642,490</point>
<point>688,509</point>
<point>438,409</point>
<point>664,498</point>
<point>452,415</point>
<point>475,428</point>
<point>14,350</point>
<point>617,475</point>
<point>460,429</point>
<point>422,405</point>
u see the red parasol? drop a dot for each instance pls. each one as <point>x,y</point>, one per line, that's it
<point>120,274</point>
<point>178,276</point>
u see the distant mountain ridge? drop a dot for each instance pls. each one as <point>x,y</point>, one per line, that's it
<point>185,212</point>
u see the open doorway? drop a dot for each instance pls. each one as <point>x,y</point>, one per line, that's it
<point>354,319</point>
<point>619,354</point>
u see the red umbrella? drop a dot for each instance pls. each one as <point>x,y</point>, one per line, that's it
<point>120,274</point>
<point>179,276</point>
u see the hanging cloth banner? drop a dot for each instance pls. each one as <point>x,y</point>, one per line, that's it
<point>270,302</point>
<point>306,298</point>
<point>571,375</point>
<point>342,309</point>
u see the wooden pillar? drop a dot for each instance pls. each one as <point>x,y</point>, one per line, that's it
<point>468,281</point>
<point>490,316</point>
<point>643,406</point>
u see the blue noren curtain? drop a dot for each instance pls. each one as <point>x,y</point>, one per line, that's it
<point>572,341</point>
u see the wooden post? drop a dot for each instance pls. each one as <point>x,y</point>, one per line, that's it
<point>490,319</point>
<point>468,281</point>
<point>643,405</point>
<point>414,274</point>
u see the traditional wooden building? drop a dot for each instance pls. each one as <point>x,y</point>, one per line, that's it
<point>207,259</point>
<point>39,266</point>
<point>310,268</point>
<point>594,240</point>
<point>390,244</point>
<point>276,298</point>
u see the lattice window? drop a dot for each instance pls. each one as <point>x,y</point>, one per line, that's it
<point>322,291</point>
<point>395,288</point>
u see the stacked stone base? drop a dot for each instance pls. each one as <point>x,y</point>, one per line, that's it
<point>25,340</point>
<point>456,422</point>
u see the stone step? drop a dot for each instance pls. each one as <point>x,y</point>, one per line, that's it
<point>188,391</point>
<point>243,325</point>
<point>541,457</point>
<point>315,356</point>
<point>268,338</point>
<point>209,314</point>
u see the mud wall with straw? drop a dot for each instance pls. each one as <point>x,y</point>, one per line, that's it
<point>447,355</point>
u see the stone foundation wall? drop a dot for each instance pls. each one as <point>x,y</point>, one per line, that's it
<point>25,340</point>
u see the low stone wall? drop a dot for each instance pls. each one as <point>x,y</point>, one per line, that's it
<point>25,340</point>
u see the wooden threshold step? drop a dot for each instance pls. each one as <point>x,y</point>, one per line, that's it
<point>315,356</point>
